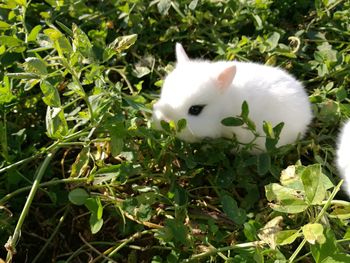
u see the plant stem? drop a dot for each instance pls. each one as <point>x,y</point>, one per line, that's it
<point>96,251</point>
<point>19,163</point>
<point>338,202</point>
<point>53,182</point>
<point>296,252</point>
<point>329,201</point>
<point>302,257</point>
<point>11,243</point>
<point>24,11</point>
<point>213,250</point>
<point>76,80</point>
<point>127,241</point>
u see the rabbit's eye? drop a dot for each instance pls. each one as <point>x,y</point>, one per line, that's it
<point>195,109</point>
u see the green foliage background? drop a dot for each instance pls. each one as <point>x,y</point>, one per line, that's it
<point>84,177</point>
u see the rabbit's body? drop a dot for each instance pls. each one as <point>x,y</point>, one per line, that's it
<point>218,89</point>
<point>343,156</point>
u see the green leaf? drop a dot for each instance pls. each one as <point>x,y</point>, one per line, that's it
<point>313,185</point>
<point>290,206</point>
<point>35,65</point>
<point>268,129</point>
<point>178,231</point>
<point>290,178</point>
<point>231,209</point>
<point>272,41</point>
<point>272,134</point>
<point>321,251</point>
<point>117,145</point>
<point>117,133</point>
<point>6,95</point>
<point>10,41</point>
<point>81,162</point>
<point>21,2</point>
<point>245,111</point>
<point>95,223</point>
<point>337,258</point>
<point>181,195</point>
<point>76,88</point>
<point>51,96</point>
<point>250,230</point>
<point>99,104</point>
<point>60,42</point>
<point>286,200</point>
<point>144,211</point>
<point>95,207</point>
<point>193,4</point>
<point>286,237</point>
<point>78,196</point>
<point>56,124</point>
<point>164,6</point>
<point>270,144</point>
<point>53,34</point>
<point>341,94</point>
<point>278,129</point>
<point>68,31</point>
<point>165,126</point>
<point>140,71</point>
<point>232,121</point>
<point>181,124</point>
<point>276,192</point>
<point>34,33</point>
<point>22,75</point>
<point>4,25</point>
<point>250,124</point>
<point>258,21</point>
<point>327,52</point>
<point>123,43</point>
<point>347,233</point>
<point>313,232</point>
<point>82,42</point>
<point>263,163</point>
<point>63,44</point>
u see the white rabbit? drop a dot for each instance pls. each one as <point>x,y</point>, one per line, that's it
<point>343,156</point>
<point>204,93</point>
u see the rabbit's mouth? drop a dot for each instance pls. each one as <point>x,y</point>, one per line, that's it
<point>187,136</point>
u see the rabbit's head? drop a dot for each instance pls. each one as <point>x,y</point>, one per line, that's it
<point>197,91</point>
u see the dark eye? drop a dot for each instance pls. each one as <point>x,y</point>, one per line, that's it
<point>195,109</point>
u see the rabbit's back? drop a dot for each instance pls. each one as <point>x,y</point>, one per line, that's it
<point>275,96</point>
<point>343,155</point>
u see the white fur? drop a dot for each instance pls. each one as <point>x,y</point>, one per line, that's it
<point>343,156</point>
<point>271,93</point>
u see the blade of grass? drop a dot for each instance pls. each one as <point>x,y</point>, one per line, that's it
<point>11,243</point>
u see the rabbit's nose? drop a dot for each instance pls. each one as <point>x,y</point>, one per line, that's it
<point>162,111</point>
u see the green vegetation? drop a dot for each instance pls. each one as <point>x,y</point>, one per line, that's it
<point>85,178</point>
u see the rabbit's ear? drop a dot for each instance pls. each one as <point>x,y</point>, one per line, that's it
<point>181,55</point>
<point>226,77</point>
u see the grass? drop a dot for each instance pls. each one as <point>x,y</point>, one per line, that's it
<point>85,177</point>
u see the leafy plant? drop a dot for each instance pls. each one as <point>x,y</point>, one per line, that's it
<point>83,174</point>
